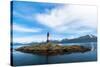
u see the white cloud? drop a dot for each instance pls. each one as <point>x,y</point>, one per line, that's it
<point>35,38</point>
<point>60,18</point>
<point>28,39</point>
<point>19,28</point>
<point>28,17</point>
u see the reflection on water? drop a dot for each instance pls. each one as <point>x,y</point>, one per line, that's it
<point>20,58</point>
<point>92,46</point>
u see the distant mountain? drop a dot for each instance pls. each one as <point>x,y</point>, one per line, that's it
<point>25,43</point>
<point>86,38</point>
<point>54,41</point>
<point>18,44</point>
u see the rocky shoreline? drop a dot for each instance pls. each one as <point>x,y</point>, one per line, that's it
<point>52,49</point>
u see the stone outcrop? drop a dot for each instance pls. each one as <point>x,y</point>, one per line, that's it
<point>52,49</point>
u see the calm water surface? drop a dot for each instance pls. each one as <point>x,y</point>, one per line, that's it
<point>20,58</point>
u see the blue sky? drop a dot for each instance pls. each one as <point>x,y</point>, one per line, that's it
<point>32,20</point>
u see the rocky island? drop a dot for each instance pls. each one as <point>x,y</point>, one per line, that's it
<point>52,49</point>
<point>49,48</point>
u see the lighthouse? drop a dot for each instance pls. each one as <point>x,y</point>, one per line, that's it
<point>48,37</point>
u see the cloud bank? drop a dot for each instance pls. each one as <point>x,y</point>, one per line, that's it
<point>19,28</point>
<point>70,17</point>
